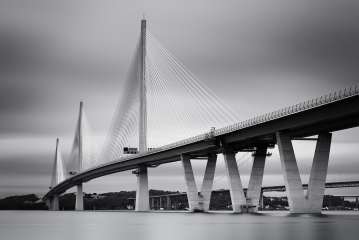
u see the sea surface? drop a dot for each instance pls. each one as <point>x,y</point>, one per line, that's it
<point>96,225</point>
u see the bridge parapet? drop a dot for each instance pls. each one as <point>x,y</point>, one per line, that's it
<point>303,106</point>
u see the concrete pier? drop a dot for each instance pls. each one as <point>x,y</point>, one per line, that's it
<point>192,192</point>
<point>318,174</point>
<point>298,202</point>
<point>168,203</point>
<point>292,181</point>
<point>142,195</point>
<point>199,201</point>
<point>207,184</point>
<point>54,203</point>
<point>152,203</point>
<point>256,178</point>
<point>261,200</point>
<point>79,204</point>
<point>235,184</point>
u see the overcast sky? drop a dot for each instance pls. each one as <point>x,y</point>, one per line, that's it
<point>257,56</point>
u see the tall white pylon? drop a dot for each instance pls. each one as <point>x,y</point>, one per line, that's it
<point>143,93</point>
<point>142,195</point>
<point>76,158</point>
<point>79,205</point>
<point>58,170</point>
<point>58,175</point>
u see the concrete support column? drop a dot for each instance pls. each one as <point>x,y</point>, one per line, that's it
<point>256,178</point>
<point>207,184</point>
<point>318,174</point>
<point>54,203</point>
<point>152,203</point>
<point>235,184</point>
<point>298,202</point>
<point>261,200</point>
<point>79,204</point>
<point>293,183</point>
<point>48,204</point>
<point>168,202</point>
<point>199,201</point>
<point>192,192</point>
<point>142,195</point>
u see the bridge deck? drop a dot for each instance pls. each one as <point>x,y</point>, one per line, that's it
<point>333,112</point>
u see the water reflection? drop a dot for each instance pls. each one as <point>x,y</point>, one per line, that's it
<point>158,226</point>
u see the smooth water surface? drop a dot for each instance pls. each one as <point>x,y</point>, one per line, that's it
<point>161,225</point>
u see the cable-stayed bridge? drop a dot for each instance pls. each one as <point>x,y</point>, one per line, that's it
<point>154,80</point>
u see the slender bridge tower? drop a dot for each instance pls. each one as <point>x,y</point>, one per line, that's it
<point>58,175</point>
<point>142,195</point>
<point>79,204</point>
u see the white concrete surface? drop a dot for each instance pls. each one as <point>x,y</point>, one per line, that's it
<point>142,194</point>
<point>298,202</point>
<point>235,183</point>
<point>256,179</point>
<point>79,204</point>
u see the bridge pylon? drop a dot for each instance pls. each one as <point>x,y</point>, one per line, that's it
<point>77,152</point>
<point>79,204</point>
<point>58,175</point>
<point>142,194</point>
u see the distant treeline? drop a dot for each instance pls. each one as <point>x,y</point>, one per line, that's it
<point>124,200</point>
<point>24,202</point>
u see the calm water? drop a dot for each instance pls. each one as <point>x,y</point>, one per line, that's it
<point>41,225</point>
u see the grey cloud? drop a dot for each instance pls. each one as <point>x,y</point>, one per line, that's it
<point>25,165</point>
<point>265,54</point>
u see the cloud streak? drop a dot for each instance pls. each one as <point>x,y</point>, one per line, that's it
<point>257,56</point>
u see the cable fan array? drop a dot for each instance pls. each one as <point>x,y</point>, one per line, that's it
<point>82,154</point>
<point>124,126</point>
<point>178,104</point>
<point>59,170</point>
